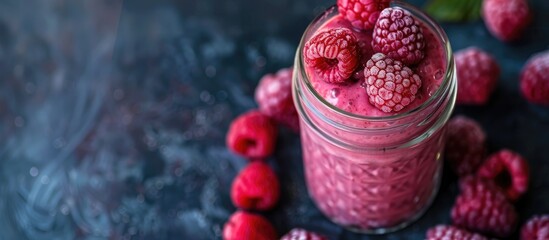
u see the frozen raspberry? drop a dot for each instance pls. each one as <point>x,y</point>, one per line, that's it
<point>443,232</point>
<point>398,35</point>
<point>274,97</point>
<point>477,74</point>
<point>482,209</point>
<point>509,170</point>
<point>479,184</point>
<point>333,54</point>
<point>243,225</point>
<point>390,85</point>
<point>534,79</point>
<point>256,187</point>
<point>252,134</point>
<point>537,228</point>
<point>465,145</point>
<point>362,14</point>
<point>506,19</point>
<point>302,234</point>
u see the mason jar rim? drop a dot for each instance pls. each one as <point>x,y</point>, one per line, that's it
<point>431,23</point>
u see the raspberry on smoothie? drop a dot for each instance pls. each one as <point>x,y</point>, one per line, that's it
<point>362,14</point>
<point>332,54</point>
<point>390,85</point>
<point>398,35</point>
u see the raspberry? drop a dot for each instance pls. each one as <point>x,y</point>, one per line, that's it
<point>506,19</point>
<point>443,232</point>
<point>243,225</point>
<point>506,163</point>
<point>333,54</point>
<point>362,14</point>
<point>256,187</point>
<point>252,134</point>
<point>477,74</point>
<point>534,79</point>
<point>464,145</point>
<point>302,234</point>
<point>274,97</point>
<point>480,208</point>
<point>398,35</point>
<point>537,228</point>
<point>479,184</point>
<point>390,85</point>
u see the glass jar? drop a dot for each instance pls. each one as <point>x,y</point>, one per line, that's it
<point>373,174</point>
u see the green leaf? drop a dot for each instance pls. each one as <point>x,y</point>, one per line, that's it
<point>454,10</point>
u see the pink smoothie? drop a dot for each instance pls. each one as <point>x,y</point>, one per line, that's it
<point>369,190</point>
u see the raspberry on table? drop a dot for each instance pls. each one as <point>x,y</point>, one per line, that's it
<point>482,209</point>
<point>390,85</point>
<point>302,234</point>
<point>477,74</point>
<point>333,54</point>
<point>398,35</point>
<point>465,145</point>
<point>470,182</point>
<point>507,163</point>
<point>242,225</point>
<point>536,228</point>
<point>274,97</point>
<point>252,135</point>
<point>445,232</point>
<point>256,187</point>
<point>506,19</point>
<point>534,79</point>
<point>362,14</point>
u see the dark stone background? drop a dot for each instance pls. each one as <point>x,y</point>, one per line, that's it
<point>113,116</point>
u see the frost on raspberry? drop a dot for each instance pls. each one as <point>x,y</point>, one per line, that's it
<point>444,232</point>
<point>509,170</point>
<point>398,35</point>
<point>477,74</point>
<point>302,234</point>
<point>256,187</point>
<point>534,79</point>
<point>473,182</point>
<point>465,145</point>
<point>333,54</point>
<point>536,228</point>
<point>484,209</point>
<point>506,19</point>
<point>390,85</point>
<point>274,97</point>
<point>362,14</point>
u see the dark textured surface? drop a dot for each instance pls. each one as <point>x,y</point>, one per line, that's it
<point>113,116</point>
